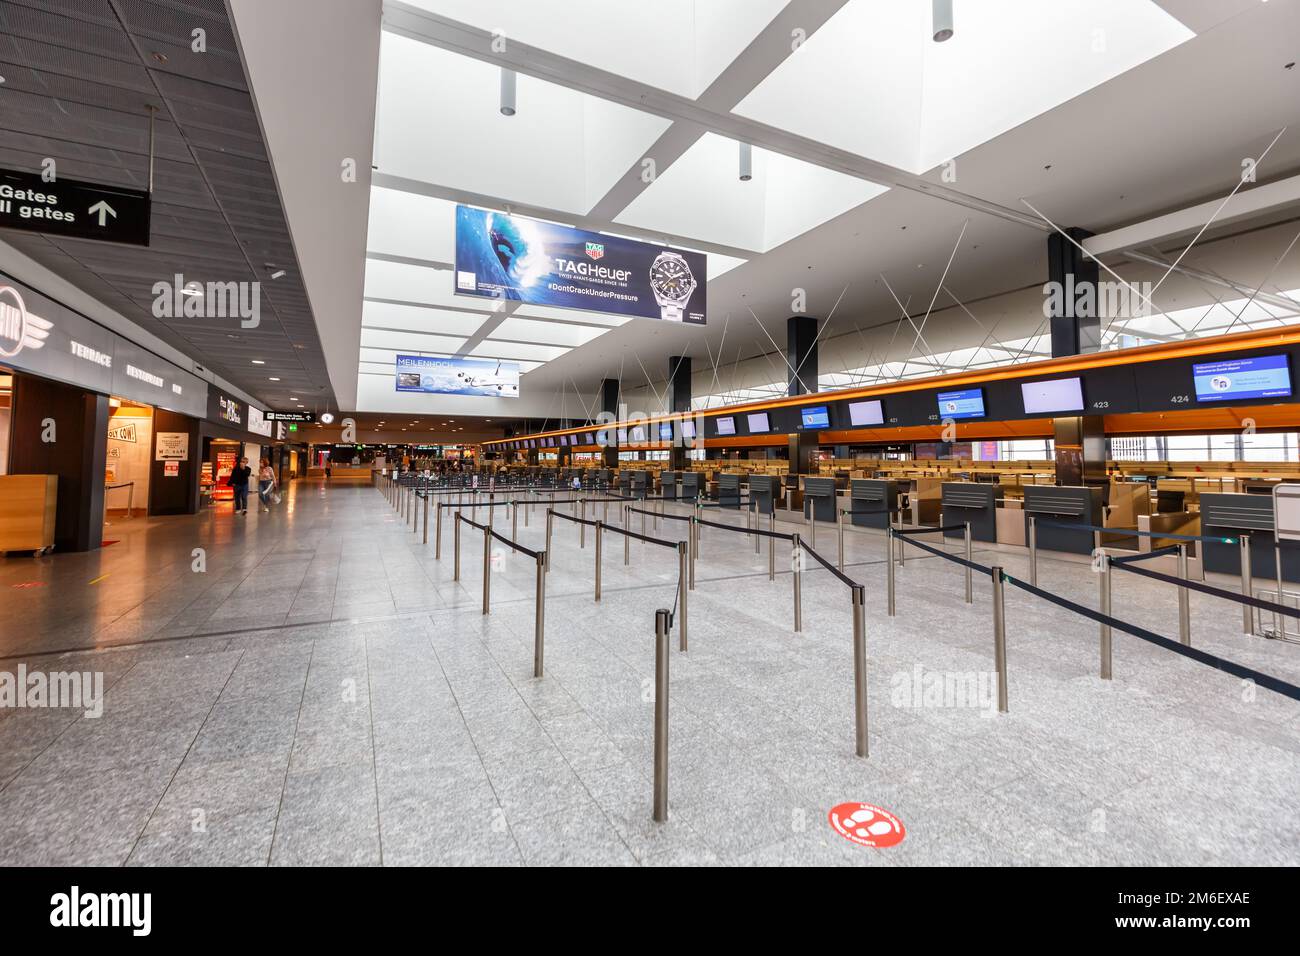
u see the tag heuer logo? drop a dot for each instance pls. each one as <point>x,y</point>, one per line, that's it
<point>595,250</point>
<point>18,327</point>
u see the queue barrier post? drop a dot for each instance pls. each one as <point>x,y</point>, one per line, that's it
<point>627,542</point>
<point>1000,637</point>
<point>1184,600</point>
<point>456,567</point>
<point>514,524</point>
<point>693,536</point>
<point>487,567</point>
<point>840,530</point>
<point>1033,551</point>
<point>1105,606</point>
<point>582,527</point>
<point>682,549</point>
<point>890,572</point>
<point>550,520</point>
<point>1279,620</point>
<point>796,562</point>
<point>860,667</point>
<point>539,632</point>
<point>1247,587</point>
<point>600,535</point>
<point>756,517</point>
<point>437,533</point>
<point>970,592</point>
<point>425,539</point>
<point>661,717</point>
<point>771,546</point>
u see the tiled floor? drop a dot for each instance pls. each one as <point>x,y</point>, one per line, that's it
<point>325,693</point>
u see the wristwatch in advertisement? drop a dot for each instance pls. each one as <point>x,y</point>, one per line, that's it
<point>672,284</point>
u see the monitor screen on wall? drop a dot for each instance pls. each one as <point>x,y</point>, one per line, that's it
<point>638,434</point>
<point>862,414</point>
<point>665,431</point>
<point>758,423</point>
<point>1056,395</point>
<point>688,428</point>
<point>966,403</point>
<point>1268,376</point>
<point>815,416</point>
<point>726,426</point>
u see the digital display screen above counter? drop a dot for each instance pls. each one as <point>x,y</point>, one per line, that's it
<point>726,426</point>
<point>815,416</point>
<point>665,431</point>
<point>688,428</point>
<point>1268,376</point>
<point>967,403</point>
<point>862,414</point>
<point>758,423</point>
<point>1055,395</point>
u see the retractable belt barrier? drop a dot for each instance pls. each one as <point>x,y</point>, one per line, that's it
<point>1157,553</point>
<point>736,528</point>
<point>656,514</point>
<point>848,581</point>
<point>501,537</point>
<point>1134,532</point>
<point>973,565</point>
<point>1125,565</point>
<point>1219,663</point>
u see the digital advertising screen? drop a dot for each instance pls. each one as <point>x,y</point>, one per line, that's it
<point>688,428</point>
<point>726,426</point>
<point>815,416</point>
<point>967,403</point>
<point>758,423</point>
<point>638,435</point>
<point>1057,395</point>
<point>457,376</point>
<point>1268,376</point>
<point>499,256</point>
<point>862,414</point>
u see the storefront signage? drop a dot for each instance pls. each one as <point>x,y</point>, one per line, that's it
<point>40,336</point>
<point>542,263</point>
<point>228,410</point>
<point>69,207</point>
<point>125,432</point>
<point>457,376</point>
<point>172,446</point>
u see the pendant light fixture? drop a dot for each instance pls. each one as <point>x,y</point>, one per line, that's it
<point>507,92</point>
<point>746,162</point>
<point>942,20</point>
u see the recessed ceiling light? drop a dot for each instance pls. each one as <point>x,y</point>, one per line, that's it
<point>274,379</point>
<point>160,57</point>
<point>258,362</point>
<point>277,273</point>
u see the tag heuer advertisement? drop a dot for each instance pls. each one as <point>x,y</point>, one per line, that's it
<point>541,263</point>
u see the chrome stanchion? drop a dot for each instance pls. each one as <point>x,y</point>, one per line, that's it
<point>860,668</point>
<point>757,518</point>
<point>1000,638</point>
<point>1184,605</point>
<point>970,593</point>
<point>415,515</point>
<point>1247,587</point>
<point>514,524</point>
<point>456,572</point>
<point>1104,585</point>
<point>1033,551</point>
<point>771,546</point>
<point>681,593</point>
<point>627,542</point>
<point>661,716</point>
<point>425,539</point>
<point>487,567</point>
<point>539,633</point>
<point>693,537</point>
<point>796,563</point>
<point>889,566</point>
<point>437,532</point>
<point>643,526</point>
<point>582,527</point>
<point>600,536</point>
<point>840,529</point>
<point>1279,620</point>
<point>812,520</point>
<point>550,519</point>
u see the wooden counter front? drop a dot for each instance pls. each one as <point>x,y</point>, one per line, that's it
<point>27,507</point>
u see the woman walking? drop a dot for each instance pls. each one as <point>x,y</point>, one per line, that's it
<point>265,484</point>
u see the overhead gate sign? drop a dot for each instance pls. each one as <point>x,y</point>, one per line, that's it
<point>69,207</point>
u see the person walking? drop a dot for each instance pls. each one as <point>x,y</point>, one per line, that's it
<point>265,484</point>
<point>238,482</point>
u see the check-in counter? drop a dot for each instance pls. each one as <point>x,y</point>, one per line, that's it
<point>340,473</point>
<point>1228,516</point>
<point>691,485</point>
<point>819,498</point>
<point>729,491</point>
<point>638,483</point>
<point>1011,520</point>
<point>875,498</point>
<point>977,503</point>
<point>764,492</point>
<point>925,501</point>
<point>1063,504</point>
<point>668,483</point>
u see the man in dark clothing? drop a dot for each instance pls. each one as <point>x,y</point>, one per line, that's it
<point>238,482</point>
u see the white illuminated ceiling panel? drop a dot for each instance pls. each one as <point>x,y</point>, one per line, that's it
<point>676,45</point>
<point>573,316</point>
<point>702,196</point>
<point>400,282</point>
<point>383,315</point>
<point>545,333</point>
<point>411,225</point>
<point>439,121</point>
<point>513,350</point>
<point>873,82</point>
<point>409,341</point>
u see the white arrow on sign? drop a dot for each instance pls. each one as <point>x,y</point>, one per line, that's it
<point>104,209</point>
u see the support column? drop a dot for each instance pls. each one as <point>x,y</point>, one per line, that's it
<point>801,353</point>
<point>679,391</point>
<point>1073,312</point>
<point>609,403</point>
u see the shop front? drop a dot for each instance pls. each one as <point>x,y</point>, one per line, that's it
<point>233,430</point>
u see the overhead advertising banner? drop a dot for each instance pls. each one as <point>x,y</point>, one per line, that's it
<point>541,263</point>
<point>68,207</point>
<point>40,336</point>
<point>457,376</point>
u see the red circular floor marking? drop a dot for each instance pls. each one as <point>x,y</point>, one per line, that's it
<point>867,825</point>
